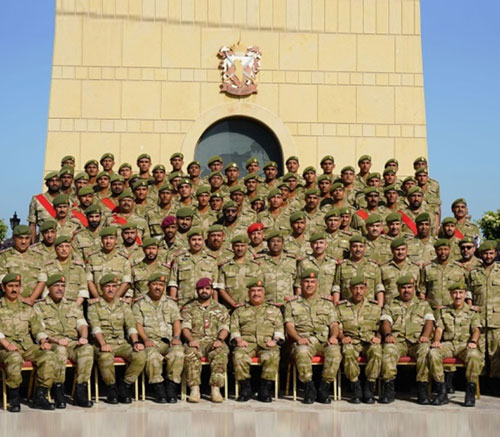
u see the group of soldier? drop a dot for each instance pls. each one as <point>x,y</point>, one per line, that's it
<point>170,270</point>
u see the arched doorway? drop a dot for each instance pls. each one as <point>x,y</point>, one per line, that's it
<point>237,139</point>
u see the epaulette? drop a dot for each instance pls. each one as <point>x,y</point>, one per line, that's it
<point>275,304</point>
<point>328,298</point>
<point>291,298</point>
<point>343,302</point>
<point>258,256</point>
<point>34,246</point>
<point>136,263</point>
<point>178,253</point>
<point>124,254</point>
<point>5,250</point>
<point>78,262</point>
<point>93,300</point>
<point>373,301</point>
<point>137,299</point>
<point>475,308</point>
<point>291,255</point>
<point>167,265</point>
<point>125,300</point>
<point>373,262</point>
<point>93,253</point>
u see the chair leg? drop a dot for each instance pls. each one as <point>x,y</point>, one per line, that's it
<point>226,387</point>
<point>277,385</point>
<point>136,387</point>
<point>287,384</point>
<point>335,388</point>
<point>294,382</point>
<point>183,387</point>
<point>73,388</point>
<point>4,388</point>
<point>96,384</point>
<point>143,385</point>
<point>31,383</point>
<point>478,390</point>
<point>339,388</point>
<point>236,389</point>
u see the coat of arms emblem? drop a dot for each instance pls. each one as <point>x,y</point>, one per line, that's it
<point>239,69</point>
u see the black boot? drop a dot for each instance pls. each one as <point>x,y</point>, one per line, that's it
<point>357,393</point>
<point>171,391</point>
<point>449,382</point>
<point>368,396</point>
<point>159,395</point>
<point>82,395</point>
<point>112,397</point>
<point>14,399</point>
<point>59,398</point>
<point>422,397</point>
<point>265,389</point>
<point>245,391</point>
<point>442,395</point>
<point>41,402</point>
<point>124,393</point>
<point>310,393</point>
<point>389,393</point>
<point>470,394</point>
<point>324,392</point>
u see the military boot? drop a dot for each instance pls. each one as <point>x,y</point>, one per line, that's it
<point>159,395</point>
<point>245,391</point>
<point>442,394</point>
<point>265,388</point>
<point>194,394</point>
<point>368,396</point>
<point>59,398</point>
<point>389,393</point>
<point>422,396</point>
<point>449,382</point>
<point>82,395</point>
<point>14,399</point>
<point>124,393</point>
<point>215,395</point>
<point>470,394</point>
<point>357,393</point>
<point>41,402</point>
<point>310,393</point>
<point>171,389</point>
<point>324,392</point>
<point>112,397</point>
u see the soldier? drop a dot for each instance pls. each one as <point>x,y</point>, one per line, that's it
<point>215,163</point>
<point>364,164</point>
<point>102,187</point>
<point>144,164</point>
<point>421,247</point>
<point>215,180</point>
<point>184,218</point>
<point>204,216</point>
<point>205,326</point>
<point>313,214</point>
<point>368,202</point>
<point>91,167</point>
<point>18,322</point>
<point>68,160</point>
<point>415,199</point>
<point>292,165</point>
<point>378,245</point>
<point>67,175</point>
<point>185,197</point>
<point>131,242</point>
<point>256,331</point>
<point>392,198</point>
<point>256,236</point>
<point>312,325</point>
<point>252,165</point>
<point>271,175</point>
<point>296,242</point>
<point>194,172</point>
<point>232,173</point>
<point>275,216</point>
<point>159,327</point>
<point>45,248</point>
<point>87,241</point>
<point>309,176</point>
<point>347,177</point>
<point>251,182</point>
<point>107,162</point>
<point>359,335</point>
<point>125,171</point>
<point>338,240</point>
<point>216,202</point>
<point>67,332</point>
<point>176,161</point>
<point>85,199</point>
<point>189,266</point>
<point>465,228</point>
<point>65,225</point>
<point>155,215</point>
<point>448,230</point>
<point>395,226</point>
<point>459,327</point>
<point>234,224</point>
<point>296,193</point>
<point>170,243</point>
<point>216,245</point>
<point>327,164</point>
<point>117,184</point>
<point>109,317</point>
<point>143,202</point>
<point>159,179</point>
<point>467,248</point>
<point>406,327</point>
<point>430,192</point>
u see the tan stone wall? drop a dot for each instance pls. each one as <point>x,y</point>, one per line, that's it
<point>342,77</point>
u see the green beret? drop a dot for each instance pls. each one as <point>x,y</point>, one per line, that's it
<point>397,242</point>
<point>337,185</point>
<point>81,175</point>
<point>108,231</point>
<point>442,242</point>
<point>93,209</point>
<point>421,170</point>
<point>250,176</point>
<point>52,174</point>
<point>67,169</point>
<point>457,201</point>
<point>373,218</point>
<point>116,178</point>
<point>216,195</point>
<point>68,158</point>
<point>409,179</point>
<point>422,217</point>
<point>140,183</point>
<point>391,161</point>
<point>84,191</point>
<point>11,277</point>
<point>251,160</point>
<point>356,239</point>
<point>324,177</point>
<point>488,245</point>
<point>289,176</point>
<point>55,278</point>
<point>236,189</point>
<point>312,192</point>
<point>370,190</point>
<point>254,282</point>
<point>186,181</point>
<point>393,217</point>
<point>333,212</point>
<point>364,158</point>
<point>176,155</point>
<point>108,279</point>
<point>274,192</point>
<point>213,159</point>
<point>166,187</point>
<point>347,168</point>
<point>62,239</point>
<point>128,225</point>
<point>389,170</point>
<point>91,162</point>
<point>283,184</point>
<point>203,189</point>
<point>241,238</point>
<point>447,220</point>
<point>173,175</point>
<point>103,174</point>
<point>256,198</point>
<point>231,165</point>
<point>391,187</point>
<point>274,233</point>
<point>143,156</point>
<point>317,236</point>
<point>195,231</point>
<point>150,241</point>
<point>107,155</point>
<point>413,190</point>
<point>125,165</point>
<point>420,159</point>
<point>466,240</point>
<point>297,215</point>
<point>270,164</point>
<point>345,210</point>
<point>357,280</point>
<point>48,224</point>
<point>229,204</point>
<point>158,277</point>
<point>456,286</point>
<point>215,228</point>
<point>194,163</point>
<point>308,169</point>
<point>327,158</point>
<point>374,175</point>
<point>126,193</point>
<point>405,280</point>
<point>309,274</point>
<point>60,199</point>
<point>292,158</point>
<point>185,212</point>
<point>213,173</point>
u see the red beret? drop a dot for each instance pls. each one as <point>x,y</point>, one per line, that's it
<point>204,282</point>
<point>255,227</point>
<point>168,220</point>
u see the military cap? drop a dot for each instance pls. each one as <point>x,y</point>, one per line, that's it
<point>216,195</point>
<point>254,282</point>
<point>93,209</point>
<point>356,239</point>
<point>256,198</point>
<point>397,242</point>
<point>194,163</point>
<point>409,179</point>
<point>488,245</point>
<point>231,165</point>
<point>116,178</point>
<point>67,158</point>
<point>241,238</point>
<point>11,277</point>
<point>391,161</point>
<point>373,218</point>
<point>283,184</point>
<point>337,185</point>
<point>62,239</point>
<point>108,231</point>
<point>48,224</point>
<point>173,175</point>
<point>441,242</point>
<point>289,176</point>
<point>213,159</point>
<point>255,227</point>
<point>103,174</point>
<point>215,228</point>
<point>447,220</point>
<point>159,167</point>
<point>413,190</point>
<point>308,169</point>
<point>185,181</point>
<point>140,183</point>
<point>176,155</point>
<point>345,210</point>
<point>270,164</point>
<point>274,192</point>
<point>251,160</point>
<point>317,236</point>
<point>420,159</point>
<point>107,155</point>
<point>250,176</point>
<point>374,175</point>
<point>214,173</point>
<point>456,286</point>
<point>389,170</point>
<point>108,279</point>
<point>333,212</point>
<point>327,158</point>
<point>203,282</point>
<point>126,193</point>
<point>347,168</point>
<point>421,170</point>
<point>466,240</point>
<point>422,217</point>
<point>393,217</point>
<point>391,187</point>
<point>67,169</point>
<point>203,189</point>
<point>91,162</point>
<point>274,233</point>
<point>184,212</point>
<point>405,280</point>
<point>150,241</point>
<point>165,187</point>
<point>370,190</point>
<point>312,192</point>
<point>54,279</point>
<point>309,274</point>
<point>52,174</point>
<point>323,177</point>
<point>60,199</point>
<point>195,231</point>
<point>168,220</point>
<point>457,201</point>
<point>229,204</point>
<point>357,280</point>
<point>81,175</point>
<point>125,165</point>
<point>292,158</point>
<point>364,158</point>
<point>297,215</point>
<point>236,189</point>
<point>128,225</point>
<point>157,277</point>
<point>143,156</point>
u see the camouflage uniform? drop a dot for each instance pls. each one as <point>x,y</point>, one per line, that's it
<point>134,253</point>
<point>279,222</point>
<point>379,250</point>
<point>326,268</point>
<point>279,276</point>
<point>361,323</point>
<point>420,251</point>
<point>141,271</point>
<point>68,227</point>
<point>27,264</point>
<point>110,319</point>
<point>298,248</point>
<point>338,244</point>
<point>391,272</point>
<point>256,324</point>
<point>119,219</point>
<point>154,218</point>
<point>469,229</point>
<point>43,251</point>
<point>157,321</point>
<point>75,274</point>
<point>37,213</point>
<point>233,278</point>
<point>205,323</point>
<point>61,321</point>
<point>115,262</point>
<point>349,269</point>
<point>86,242</point>
<point>407,320</point>
<point>312,319</point>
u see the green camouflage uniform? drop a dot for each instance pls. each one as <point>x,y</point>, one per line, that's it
<point>75,274</point>
<point>326,268</point>
<point>68,227</point>
<point>391,272</point>
<point>379,250</point>
<point>43,251</point>
<point>233,277</point>
<point>204,221</point>
<point>37,213</point>
<point>115,262</point>
<point>117,220</point>
<point>27,264</point>
<point>279,276</point>
<point>338,244</point>
<point>61,321</point>
<point>141,272</point>
<point>469,229</point>
<point>421,252</point>
<point>256,324</point>
<point>315,222</point>
<point>154,218</point>
<point>298,248</point>
<point>134,253</point>
<point>205,323</point>
<point>157,321</point>
<point>361,323</point>
<point>349,269</point>
<point>85,242</point>
<point>280,222</point>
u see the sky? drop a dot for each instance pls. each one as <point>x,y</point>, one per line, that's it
<point>461,54</point>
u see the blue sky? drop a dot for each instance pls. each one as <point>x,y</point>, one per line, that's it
<point>461,47</point>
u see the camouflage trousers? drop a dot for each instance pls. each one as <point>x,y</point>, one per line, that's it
<point>269,359</point>
<point>473,359</point>
<point>303,354</point>
<point>105,361</point>
<point>83,356</point>
<point>373,354</point>
<point>173,355</point>
<point>45,362</point>
<point>216,357</point>
<point>392,352</point>
<point>492,340</point>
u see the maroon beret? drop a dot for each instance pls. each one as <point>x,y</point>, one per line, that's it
<point>204,282</point>
<point>168,220</point>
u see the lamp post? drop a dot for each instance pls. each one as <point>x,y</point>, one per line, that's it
<point>14,221</point>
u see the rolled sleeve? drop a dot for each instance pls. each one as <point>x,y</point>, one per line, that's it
<point>279,335</point>
<point>387,318</point>
<point>186,324</point>
<point>2,335</point>
<point>131,331</point>
<point>80,323</point>
<point>96,330</point>
<point>235,335</point>
<point>84,293</point>
<point>42,277</point>
<point>40,336</point>
<point>224,327</point>
<point>172,283</point>
<point>429,316</point>
<point>336,289</point>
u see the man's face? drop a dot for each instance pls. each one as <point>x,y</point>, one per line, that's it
<point>394,228</point>
<point>357,250</point>
<point>449,229</point>
<point>406,292</point>
<point>292,184</point>
<point>319,246</point>
<point>108,242</point>
<point>392,197</point>
<point>62,210</point>
<point>230,214</point>
<point>347,177</point>
<point>443,253</point>
<point>165,197</point>
<point>184,223</point>
<point>80,183</point>
<point>66,181</point>
<point>399,253</point>
<point>109,291</point>
<point>258,206</point>
<point>312,201</point>
<point>240,249</point>
<point>127,204</point>
<point>204,293</point>
<point>151,252</point>
<point>216,166</point>
<point>422,179</point>
<point>256,237</point>
<point>12,290</point>
<point>415,200</point>
<point>407,185</point>
<point>86,200</point>
<point>310,177</point>
<point>419,164</point>
<point>56,291</point>
<point>424,228</point>
<point>53,184</point>
<point>203,199</point>
<point>49,236</point>
<point>256,295</point>
<point>175,182</point>
<point>176,163</point>
<point>292,165</point>
<point>126,173</point>
<point>251,185</point>
<point>374,182</point>
<point>488,256</point>
<point>103,182</point>
<point>94,220</point>
<point>372,199</point>
<point>194,170</point>
<point>63,250</point>
<point>299,226</point>
<point>117,188</point>
<point>467,251</point>
<point>107,164</point>
<point>196,243</point>
<point>276,201</point>
<point>141,193</point>
<point>216,203</point>
<point>144,164</point>
<point>156,290</point>
<point>332,223</point>
<point>324,186</point>
<point>327,165</point>
<point>129,236</point>
<point>170,231</point>
<point>393,165</point>
<point>216,181</point>
<point>215,239</point>
<point>238,197</point>
<point>338,194</point>
<point>185,191</point>
<point>232,174</point>
<point>275,245</point>
<point>309,286</point>
<point>358,292</point>
<point>271,173</point>
<point>458,297</point>
<point>374,229</point>
<point>253,167</point>
<point>460,211</point>
<point>389,178</point>
<point>345,220</point>
<point>285,192</point>
<point>365,165</point>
